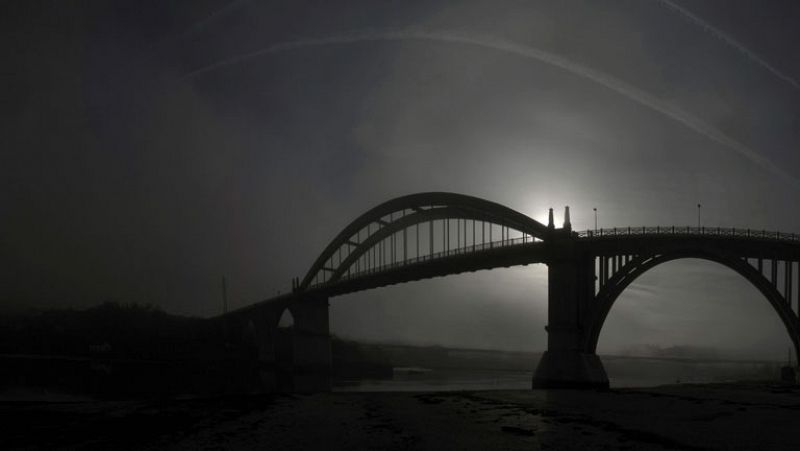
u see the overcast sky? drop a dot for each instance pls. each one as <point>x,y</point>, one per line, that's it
<point>150,147</point>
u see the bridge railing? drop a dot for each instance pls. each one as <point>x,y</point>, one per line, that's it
<point>589,234</point>
<point>690,231</point>
<point>469,249</point>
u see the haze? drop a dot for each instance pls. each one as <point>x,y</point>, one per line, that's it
<point>150,148</point>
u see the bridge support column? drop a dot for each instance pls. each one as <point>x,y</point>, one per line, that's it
<point>312,345</point>
<point>260,330</point>
<point>566,364</point>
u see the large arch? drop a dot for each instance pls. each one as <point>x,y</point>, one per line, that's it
<point>402,213</point>
<point>608,295</point>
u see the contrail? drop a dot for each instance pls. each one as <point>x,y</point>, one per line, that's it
<point>727,39</point>
<point>202,24</point>
<point>610,82</point>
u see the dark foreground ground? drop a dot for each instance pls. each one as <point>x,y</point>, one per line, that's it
<point>671,417</point>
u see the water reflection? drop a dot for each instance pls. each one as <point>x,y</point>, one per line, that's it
<point>622,373</point>
<point>426,379</point>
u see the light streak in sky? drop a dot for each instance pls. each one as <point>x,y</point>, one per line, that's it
<point>730,41</point>
<point>215,15</point>
<point>635,94</point>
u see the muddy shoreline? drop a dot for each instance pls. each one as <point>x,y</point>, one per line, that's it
<point>697,417</point>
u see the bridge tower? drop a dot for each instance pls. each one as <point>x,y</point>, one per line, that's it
<point>567,363</point>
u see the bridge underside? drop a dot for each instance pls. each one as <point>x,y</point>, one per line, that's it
<point>582,287</point>
<point>521,254</point>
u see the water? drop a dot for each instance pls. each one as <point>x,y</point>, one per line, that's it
<point>622,372</point>
<point>423,379</point>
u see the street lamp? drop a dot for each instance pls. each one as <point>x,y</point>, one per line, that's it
<point>698,215</point>
<point>595,219</point>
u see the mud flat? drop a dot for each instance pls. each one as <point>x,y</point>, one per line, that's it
<point>695,417</point>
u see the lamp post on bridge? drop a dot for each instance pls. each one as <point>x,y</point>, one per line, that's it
<point>698,216</point>
<point>595,219</point>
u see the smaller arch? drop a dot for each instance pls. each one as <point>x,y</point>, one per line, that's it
<point>286,319</point>
<point>625,276</point>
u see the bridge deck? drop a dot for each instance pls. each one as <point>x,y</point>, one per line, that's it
<point>507,253</point>
<point>729,232</point>
<point>523,251</point>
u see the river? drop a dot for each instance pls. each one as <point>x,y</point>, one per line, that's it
<point>622,372</point>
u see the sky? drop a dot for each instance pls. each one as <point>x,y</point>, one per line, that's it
<point>151,147</point>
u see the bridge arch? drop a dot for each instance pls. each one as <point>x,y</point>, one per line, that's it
<point>285,319</point>
<point>395,218</point>
<point>639,265</point>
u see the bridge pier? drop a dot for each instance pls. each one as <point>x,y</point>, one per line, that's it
<point>567,363</point>
<point>570,369</point>
<point>295,359</point>
<point>312,345</point>
<point>260,331</point>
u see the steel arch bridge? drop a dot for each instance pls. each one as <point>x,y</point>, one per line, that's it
<point>427,235</point>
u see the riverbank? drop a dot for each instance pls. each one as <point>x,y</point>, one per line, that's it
<point>719,416</point>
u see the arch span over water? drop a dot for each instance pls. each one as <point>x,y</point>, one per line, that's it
<point>608,295</point>
<point>394,220</point>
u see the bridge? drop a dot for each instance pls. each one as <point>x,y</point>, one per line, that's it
<point>428,235</point>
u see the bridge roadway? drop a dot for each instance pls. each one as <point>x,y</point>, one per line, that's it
<point>438,234</point>
<point>627,241</point>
